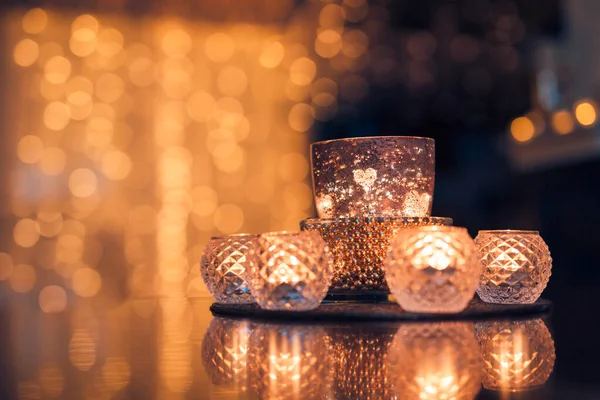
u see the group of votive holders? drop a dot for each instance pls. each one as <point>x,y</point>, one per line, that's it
<point>375,235</point>
<point>428,269</point>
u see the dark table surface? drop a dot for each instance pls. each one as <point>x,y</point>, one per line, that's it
<point>173,348</point>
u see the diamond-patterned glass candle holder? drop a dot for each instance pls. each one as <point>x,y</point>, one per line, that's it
<point>435,361</point>
<point>360,361</point>
<point>433,269</point>
<point>225,350</point>
<point>384,176</point>
<point>517,355</point>
<point>291,271</point>
<point>289,362</point>
<point>224,265</point>
<point>516,266</point>
<point>359,246</point>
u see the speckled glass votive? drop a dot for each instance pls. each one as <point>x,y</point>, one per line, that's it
<point>382,176</point>
<point>291,270</point>
<point>516,266</point>
<point>432,361</point>
<point>225,352</point>
<point>359,246</point>
<point>224,265</point>
<point>433,269</point>
<point>517,355</point>
<point>289,362</point>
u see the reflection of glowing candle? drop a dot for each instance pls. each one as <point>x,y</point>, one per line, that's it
<point>435,361</point>
<point>516,266</point>
<point>517,355</point>
<point>289,362</point>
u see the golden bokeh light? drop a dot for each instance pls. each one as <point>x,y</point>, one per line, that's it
<point>30,149</point>
<point>22,278</point>
<point>585,112</point>
<point>232,81</point>
<point>57,69</point>
<point>52,299</point>
<point>85,21</point>
<point>109,87</point>
<point>99,131</point>
<point>303,71</point>
<point>26,52</point>
<point>228,218</point>
<point>69,248</point>
<point>562,122</point>
<point>332,16</point>
<point>25,233</point>
<point>219,47</point>
<point>272,55</point>
<point>110,42</point>
<point>34,21</point>
<point>49,224</point>
<point>204,200</point>
<point>355,43</point>
<point>328,43</point>
<point>83,182</point>
<point>83,42</point>
<point>6,266</point>
<point>141,72</point>
<point>176,43</point>
<point>82,350</point>
<point>301,117</point>
<point>56,115</point>
<point>116,373</point>
<point>522,129</point>
<point>293,167</point>
<point>86,282</point>
<point>51,380</point>
<point>116,165</point>
<point>53,161</point>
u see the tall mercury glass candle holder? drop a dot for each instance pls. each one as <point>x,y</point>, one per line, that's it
<point>517,355</point>
<point>224,265</point>
<point>433,269</point>
<point>432,361</point>
<point>291,271</point>
<point>516,266</point>
<point>289,362</point>
<point>380,176</point>
<point>359,246</point>
<point>225,352</point>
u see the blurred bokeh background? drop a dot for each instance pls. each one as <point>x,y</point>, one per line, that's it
<point>133,131</point>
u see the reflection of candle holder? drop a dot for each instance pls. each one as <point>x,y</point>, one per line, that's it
<point>359,246</point>
<point>291,271</point>
<point>435,361</point>
<point>289,362</point>
<point>517,355</point>
<point>360,361</point>
<point>433,269</point>
<point>383,176</point>
<point>516,266</point>
<point>224,352</point>
<point>224,265</point>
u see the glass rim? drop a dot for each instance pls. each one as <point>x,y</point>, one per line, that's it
<point>438,228</point>
<point>374,218</point>
<point>281,233</point>
<point>366,138</point>
<point>233,236</point>
<point>511,231</point>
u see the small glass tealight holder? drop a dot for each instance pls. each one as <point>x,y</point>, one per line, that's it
<point>291,270</point>
<point>433,269</point>
<point>516,266</point>
<point>225,262</point>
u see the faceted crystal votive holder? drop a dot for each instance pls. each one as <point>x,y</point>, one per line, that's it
<point>383,176</point>
<point>517,355</point>
<point>359,246</point>
<point>224,264</point>
<point>291,270</point>
<point>433,361</point>
<point>516,266</point>
<point>433,269</point>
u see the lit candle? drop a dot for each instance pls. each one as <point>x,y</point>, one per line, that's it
<point>516,266</point>
<point>433,269</point>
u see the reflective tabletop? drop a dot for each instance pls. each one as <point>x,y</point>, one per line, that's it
<point>174,348</point>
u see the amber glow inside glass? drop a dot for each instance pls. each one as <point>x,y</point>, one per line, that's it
<point>291,270</point>
<point>516,266</point>
<point>382,176</point>
<point>433,269</point>
<point>517,355</point>
<point>225,262</point>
